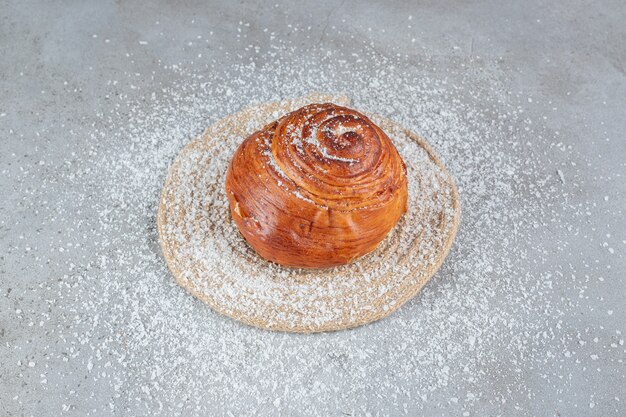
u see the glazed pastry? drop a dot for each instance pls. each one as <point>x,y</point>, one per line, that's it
<point>317,188</point>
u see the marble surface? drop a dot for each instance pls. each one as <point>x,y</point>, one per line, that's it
<point>68,72</point>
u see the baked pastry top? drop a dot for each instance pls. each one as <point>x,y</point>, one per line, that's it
<point>319,187</point>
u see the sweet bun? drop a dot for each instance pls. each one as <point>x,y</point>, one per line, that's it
<point>319,187</point>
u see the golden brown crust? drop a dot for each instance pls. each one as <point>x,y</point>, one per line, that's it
<point>317,188</point>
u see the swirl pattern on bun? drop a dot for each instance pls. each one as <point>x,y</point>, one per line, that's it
<point>317,188</point>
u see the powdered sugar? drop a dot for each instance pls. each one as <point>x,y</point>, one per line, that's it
<point>210,258</point>
<point>472,336</point>
<point>312,139</point>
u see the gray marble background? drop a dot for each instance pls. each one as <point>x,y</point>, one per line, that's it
<point>569,55</point>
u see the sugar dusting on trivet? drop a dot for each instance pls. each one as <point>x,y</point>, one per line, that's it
<point>475,333</point>
<point>210,259</point>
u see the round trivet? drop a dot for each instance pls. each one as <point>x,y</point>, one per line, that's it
<point>210,259</point>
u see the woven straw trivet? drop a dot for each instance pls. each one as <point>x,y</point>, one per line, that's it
<point>210,259</point>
